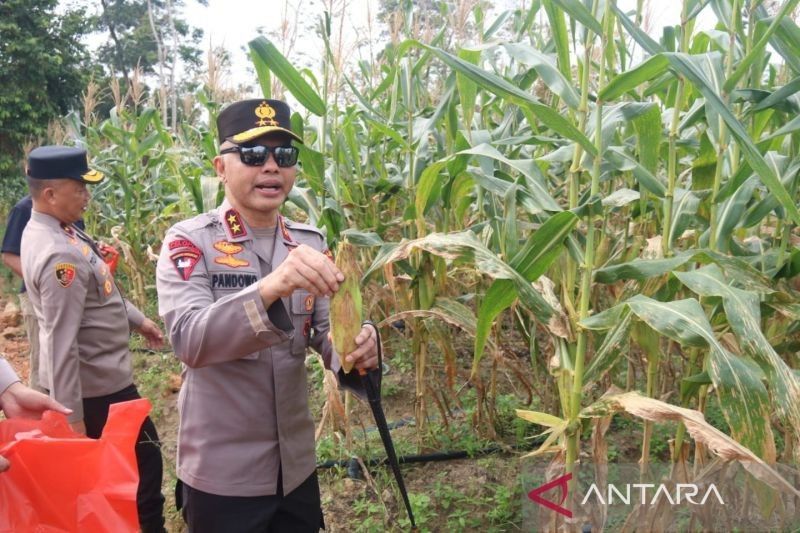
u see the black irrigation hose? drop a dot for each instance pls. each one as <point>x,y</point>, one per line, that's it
<point>354,468</point>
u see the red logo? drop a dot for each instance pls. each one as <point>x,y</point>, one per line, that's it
<point>563,483</point>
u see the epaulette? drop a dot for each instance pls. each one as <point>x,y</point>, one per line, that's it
<point>291,224</point>
<point>198,222</point>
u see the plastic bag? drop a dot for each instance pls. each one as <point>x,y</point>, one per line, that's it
<point>110,256</point>
<point>61,481</point>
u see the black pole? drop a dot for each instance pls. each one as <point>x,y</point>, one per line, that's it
<point>374,397</point>
<point>373,390</point>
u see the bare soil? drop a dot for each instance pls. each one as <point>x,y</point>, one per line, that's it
<point>456,495</point>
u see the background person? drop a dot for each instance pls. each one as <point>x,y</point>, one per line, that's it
<point>84,321</point>
<point>12,242</point>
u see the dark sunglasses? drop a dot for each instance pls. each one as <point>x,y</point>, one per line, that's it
<point>255,156</point>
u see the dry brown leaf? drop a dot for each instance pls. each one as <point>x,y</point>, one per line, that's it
<point>701,431</point>
<point>559,322</point>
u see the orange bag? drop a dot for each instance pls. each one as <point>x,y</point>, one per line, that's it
<point>61,481</point>
<point>110,256</point>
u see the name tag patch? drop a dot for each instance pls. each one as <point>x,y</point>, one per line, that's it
<point>232,281</point>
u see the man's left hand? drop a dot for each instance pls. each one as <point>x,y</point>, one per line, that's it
<point>152,334</point>
<point>19,401</point>
<point>365,356</point>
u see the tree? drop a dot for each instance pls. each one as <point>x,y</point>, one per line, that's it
<point>43,72</point>
<point>152,36</point>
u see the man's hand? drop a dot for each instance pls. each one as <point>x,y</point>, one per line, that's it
<point>305,269</point>
<point>19,401</point>
<point>365,356</point>
<point>151,333</point>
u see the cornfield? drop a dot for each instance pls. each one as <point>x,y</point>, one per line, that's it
<point>609,215</point>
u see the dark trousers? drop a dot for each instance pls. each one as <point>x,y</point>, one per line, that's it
<point>149,500</point>
<point>297,512</point>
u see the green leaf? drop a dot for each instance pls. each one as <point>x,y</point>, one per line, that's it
<point>263,74</point>
<point>614,346</point>
<point>649,133</point>
<point>690,385</point>
<point>528,169</point>
<point>621,160</point>
<point>547,71</point>
<point>631,79</point>
<point>742,310</point>
<point>558,27</point>
<point>542,248</point>
<point>621,197</point>
<point>779,96</point>
<point>743,398</point>
<point>578,12</point>
<point>731,213</point>
<point>643,269</point>
<point>758,48</point>
<point>644,40</point>
<point>429,188</point>
<point>499,86</point>
<point>685,64</point>
<point>790,127</point>
<point>285,71</point>
<point>467,89</point>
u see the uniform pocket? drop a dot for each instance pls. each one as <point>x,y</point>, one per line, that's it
<point>302,311</point>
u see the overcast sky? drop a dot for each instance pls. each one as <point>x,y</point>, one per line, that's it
<point>233,24</point>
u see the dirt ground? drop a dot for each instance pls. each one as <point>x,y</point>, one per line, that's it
<point>476,494</point>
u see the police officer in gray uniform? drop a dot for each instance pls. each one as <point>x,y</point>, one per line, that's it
<point>84,321</point>
<point>19,401</point>
<point>243,292</point>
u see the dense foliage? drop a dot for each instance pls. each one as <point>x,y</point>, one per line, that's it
<point>43,72</point>
<point>598,208</point>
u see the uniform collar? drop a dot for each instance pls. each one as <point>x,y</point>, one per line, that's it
<point>51,222</point>
<point>237,230</point>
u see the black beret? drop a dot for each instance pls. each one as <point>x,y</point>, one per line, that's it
<point>246,120</point>
<point>59,162</point>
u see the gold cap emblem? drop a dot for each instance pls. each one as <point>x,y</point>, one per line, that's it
<point>266,114</point>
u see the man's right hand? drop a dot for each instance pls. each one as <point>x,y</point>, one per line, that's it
<point>305,268</point>
<point>3,464</point>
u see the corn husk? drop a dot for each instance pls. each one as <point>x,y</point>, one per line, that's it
<point>345,309</point>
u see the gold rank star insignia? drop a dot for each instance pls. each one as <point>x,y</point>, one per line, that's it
<point>233,220</point>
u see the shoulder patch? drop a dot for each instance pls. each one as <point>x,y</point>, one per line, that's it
<point>184,254</point>
<point>65,274</point>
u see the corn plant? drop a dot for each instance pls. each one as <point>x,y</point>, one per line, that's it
<point>626,201</point>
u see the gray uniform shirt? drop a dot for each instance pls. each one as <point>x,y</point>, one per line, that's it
<point>243,404</point>
<point>83,320</point>
<point>7,376</point>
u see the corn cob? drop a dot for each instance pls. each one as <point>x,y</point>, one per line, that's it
<point>345,308</point>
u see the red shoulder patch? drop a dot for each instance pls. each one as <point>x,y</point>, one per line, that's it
<point>184,255</point>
